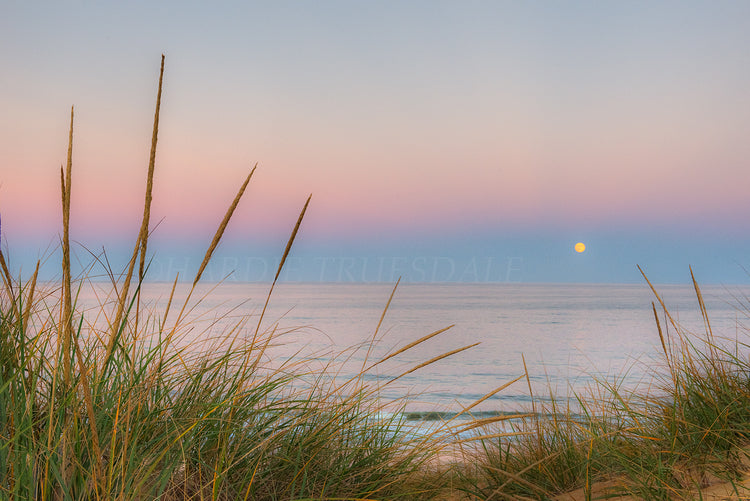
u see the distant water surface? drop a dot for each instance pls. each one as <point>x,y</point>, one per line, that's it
<point>568,334</point>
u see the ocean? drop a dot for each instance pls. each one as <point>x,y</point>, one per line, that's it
<point>569,335</point>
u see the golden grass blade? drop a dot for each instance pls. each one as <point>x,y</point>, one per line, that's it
<point>124,293</point>
<point>140,243</point>
<point>66,314</point>
<point>531,396</point>
<point>658,298</point>
<point>62,188</point>
<point>145,222</point>
<point>491,420</point>
<point>281,264</point>
<point>30,298</point>
<point>377,328</point>
<point>169,303</point>
<point>150,178</point>
<point>222,227</point>
<point>291,239</point>
<point>8,281</point>
<point>385,310</point>
<point>661,336</point>
<point>207,258</point>
<point>6,274</point>
<point>528,382</point>
<point>410,346</point>
<point>67,318</point>
<point>488,395</point>
<point>432,361</point>
<point>702,306</point>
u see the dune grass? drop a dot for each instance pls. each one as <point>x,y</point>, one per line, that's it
<point>123,411</point>
<point>145,421</point>
<point>117,407</point>
<point>687,431</point>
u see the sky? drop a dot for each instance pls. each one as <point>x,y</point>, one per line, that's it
<point>441,141</point>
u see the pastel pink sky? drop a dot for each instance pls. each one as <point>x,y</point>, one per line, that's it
<point>426,118</point>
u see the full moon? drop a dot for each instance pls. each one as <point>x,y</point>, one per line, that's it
<point>580,247</point>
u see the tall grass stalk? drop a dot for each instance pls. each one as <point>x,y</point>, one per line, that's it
<point>143,234</point>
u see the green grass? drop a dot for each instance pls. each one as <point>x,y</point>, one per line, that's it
<point>149,420</point>
<point>689,430</point>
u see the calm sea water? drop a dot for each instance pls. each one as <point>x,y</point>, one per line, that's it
<point>569,335</point>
